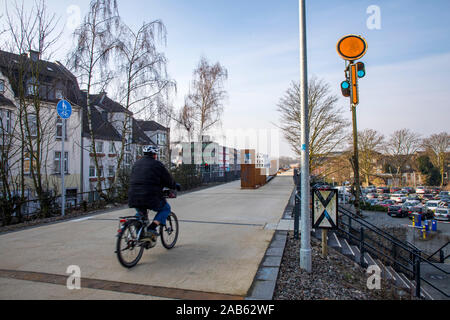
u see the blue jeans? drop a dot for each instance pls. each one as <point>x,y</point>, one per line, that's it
<point>162,212</point>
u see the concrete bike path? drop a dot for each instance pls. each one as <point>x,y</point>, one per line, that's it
<point>221,243</point>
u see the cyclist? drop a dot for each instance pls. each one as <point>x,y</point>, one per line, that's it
<point>148,178</point>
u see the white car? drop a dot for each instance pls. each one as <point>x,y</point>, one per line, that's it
<point>442,214</point>
<point>420,190</point>
<point>410,203</point>
<point>434,204</point>
<point>398,197</point>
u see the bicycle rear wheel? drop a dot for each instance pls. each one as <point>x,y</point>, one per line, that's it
<point>128,248</point>
<point>169,232</point>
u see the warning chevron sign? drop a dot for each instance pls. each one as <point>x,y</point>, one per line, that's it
<point>324,209</point>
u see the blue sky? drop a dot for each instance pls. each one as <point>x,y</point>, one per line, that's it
<point>407,62</point>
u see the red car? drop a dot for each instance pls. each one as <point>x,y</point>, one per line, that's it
<point>387,203</point>
<point>394,189</point>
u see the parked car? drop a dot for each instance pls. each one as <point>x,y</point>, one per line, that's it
<point>422,210</point>
<point>420,190</point>
<point>427,197</point>
<point>398,197</point>
<point>435,190</point>
<point>384,196</point>
<point>413,197</point>
<point>444,194</point>
<point>394,189</point>
<point>382,190</point>
<point>397,211</point>
<point>372,195</point>
<point>409,204</point>
<point>408,190</point>
<point>442,214</point>
<point>387,203</point>
<point>434,204</point>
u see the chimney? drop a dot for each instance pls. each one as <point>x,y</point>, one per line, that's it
<point>34,55</point>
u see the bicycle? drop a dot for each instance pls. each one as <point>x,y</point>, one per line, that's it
<point>131,228</point>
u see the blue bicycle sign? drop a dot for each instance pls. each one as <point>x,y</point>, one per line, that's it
<point>64,109</point>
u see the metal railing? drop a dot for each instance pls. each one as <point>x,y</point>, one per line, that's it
<point>442,256</point>
<point>402,256</point>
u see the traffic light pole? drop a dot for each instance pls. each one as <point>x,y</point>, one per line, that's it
<point>355,162</point>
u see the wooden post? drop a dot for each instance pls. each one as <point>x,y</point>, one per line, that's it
<point>324,243</point>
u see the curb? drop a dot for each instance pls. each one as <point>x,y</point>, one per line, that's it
<point>265,280</point>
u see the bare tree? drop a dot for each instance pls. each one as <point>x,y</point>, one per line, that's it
<point>370,147</point>
<point>205,100</point>
<point>438,145</point>
<point>326,123</point>
<point>31,29</point>
<point>143,74</point>
<point>400,147</point>
<point>96,42</point>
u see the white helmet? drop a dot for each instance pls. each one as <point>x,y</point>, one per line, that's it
<point>150,150</point>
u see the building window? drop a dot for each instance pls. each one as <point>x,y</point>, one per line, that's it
<point>112,148</point>
<point>128,144</point>
<point>99,146</point>
<point>32,125</point>
<point>57,162</point>
<point>27,163</point>
<point>5,121</point>
<point>2,86</point>
<point>127,159</point>
<point>59,128</point>
<point>110,171</point>
<point>59,94</point>
<point>91,171</point>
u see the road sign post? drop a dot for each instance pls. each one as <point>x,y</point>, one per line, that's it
<point>324,213</point>
<point>64,110</point>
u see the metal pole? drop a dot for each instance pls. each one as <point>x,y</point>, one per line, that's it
<point>355,146</point>
<point>63,191</point>
<point>305,249</point>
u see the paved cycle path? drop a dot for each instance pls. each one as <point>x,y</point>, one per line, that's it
<point>221,243</point>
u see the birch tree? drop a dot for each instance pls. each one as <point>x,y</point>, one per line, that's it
<point>96,41</point>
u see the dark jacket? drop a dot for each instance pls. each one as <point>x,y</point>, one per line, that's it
<point>148,177</point>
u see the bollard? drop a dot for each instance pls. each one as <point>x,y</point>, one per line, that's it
<point>433,225</point>
<point>424,233</point>
<point>414,220</point>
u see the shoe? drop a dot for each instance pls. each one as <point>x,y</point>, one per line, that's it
<point>150,235</point>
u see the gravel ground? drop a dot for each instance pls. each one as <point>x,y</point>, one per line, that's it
<point>333,278</point>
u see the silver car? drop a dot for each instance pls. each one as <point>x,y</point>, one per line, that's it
<point>442,214</point>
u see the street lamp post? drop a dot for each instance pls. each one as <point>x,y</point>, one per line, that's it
<point>305,249</point>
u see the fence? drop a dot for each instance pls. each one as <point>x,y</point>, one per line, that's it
<point>402,256</point>
<point>86,201</point>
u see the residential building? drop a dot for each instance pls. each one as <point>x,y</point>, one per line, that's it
<point>31,133</point>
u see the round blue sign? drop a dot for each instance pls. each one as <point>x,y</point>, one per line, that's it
<point>64,109</point>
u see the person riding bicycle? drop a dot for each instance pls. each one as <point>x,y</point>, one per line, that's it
<point>148,178</point>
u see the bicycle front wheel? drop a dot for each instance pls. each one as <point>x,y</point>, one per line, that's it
<point>169,232</point>
<point>128,248</point>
